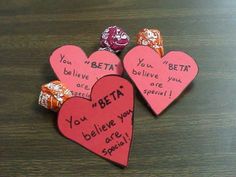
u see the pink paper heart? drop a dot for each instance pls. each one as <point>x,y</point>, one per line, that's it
<point>104,124</point>
<point>159,80</point>
<point>78,72</point>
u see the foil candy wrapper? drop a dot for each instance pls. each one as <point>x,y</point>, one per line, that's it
<point>53,95</point>
<point>114,39</point>
<point>151,38</point>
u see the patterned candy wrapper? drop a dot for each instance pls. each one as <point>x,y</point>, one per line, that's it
<point>53,95</point>
<point>151,38</point>
<point>113,39</point>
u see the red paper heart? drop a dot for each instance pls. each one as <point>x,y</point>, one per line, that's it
<point>104,124</point>
<point>78,72</point>
<point>159,80</point>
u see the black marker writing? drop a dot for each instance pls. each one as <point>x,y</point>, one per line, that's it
<point>75,122</point>
<point>118,144</point>
<point>156,84</point>
<point>155,92</point>
<point>111,97</point>
<point>101,65</point>
<point>63,60</point>
<point>142,64</point>
<point>145,73</point>
<point>98,129</point>
<point>124,115</point>
<point>84,86</point>
<point>174,79</point>
<point>75,73</point>
<point>112,137</point>
<point>81,94</point>
<point>178,67</point>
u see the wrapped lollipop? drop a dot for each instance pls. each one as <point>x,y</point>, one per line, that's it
<point>114,39</point>
<point>151,38</point>
<point>53,95</point>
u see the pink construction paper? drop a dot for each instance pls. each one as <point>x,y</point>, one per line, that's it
<point>104,124</point>
<point>78,72</point>
<point>160,80</point>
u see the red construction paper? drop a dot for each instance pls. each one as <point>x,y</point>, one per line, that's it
<point>104,124</point>
<point>160,80</point>
<point>78,72</point>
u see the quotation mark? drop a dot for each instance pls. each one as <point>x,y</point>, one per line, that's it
<point>94,105</point>
<point>165,62</point>
<point>87,62</point>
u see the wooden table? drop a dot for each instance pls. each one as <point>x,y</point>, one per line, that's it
<point>196,136</point>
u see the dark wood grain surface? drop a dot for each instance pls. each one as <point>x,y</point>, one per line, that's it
<point>195,136</point>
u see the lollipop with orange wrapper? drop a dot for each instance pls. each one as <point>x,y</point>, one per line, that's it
<point>151,38</point>
<point>53,95</point>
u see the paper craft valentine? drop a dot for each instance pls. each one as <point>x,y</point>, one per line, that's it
<point>159,80</point>
<point>79,72</point>
<point>103,124</point>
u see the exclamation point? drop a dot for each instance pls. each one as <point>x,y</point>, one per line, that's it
<point>170,94</point>
<point>126,134</point>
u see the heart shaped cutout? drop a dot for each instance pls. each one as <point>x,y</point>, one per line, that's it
<point>104,124</point>
<point>78,72</point>
<point>159,80</point>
